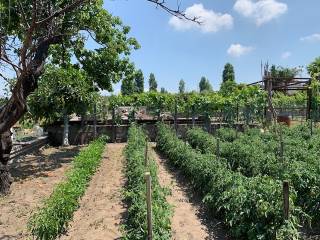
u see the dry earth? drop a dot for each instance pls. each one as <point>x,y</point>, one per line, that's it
<point>190,220</point>
<point>34,179</point>
<point>101,209</point>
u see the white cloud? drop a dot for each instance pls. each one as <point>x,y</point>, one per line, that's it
<point>210,20</point>
<point>262,11</point>
<point>286,55</point>
<point>237,50</point>
<point>311,38</point>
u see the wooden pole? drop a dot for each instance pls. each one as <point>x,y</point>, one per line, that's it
<point>146,153</point>
<point>193,117</point>
<point>149,205</point>
<point>281,145</point>
<point>113,125</point>
<point>286,200</point>
<point>309,93</point>
<point>175,115</point>
<point>218,148</point>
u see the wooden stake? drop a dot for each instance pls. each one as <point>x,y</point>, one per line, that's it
<point>146,153</point>
<point>218,148</point>
<point>286,200</point>
<point>149,205</point>
<point>175,116</point>
<point>113,126</point>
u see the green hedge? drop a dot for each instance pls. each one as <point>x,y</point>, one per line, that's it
<point>135,194</point>
<point>49,221</point>
<point>251,207</point>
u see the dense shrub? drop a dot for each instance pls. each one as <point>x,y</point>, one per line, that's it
<point>49,221</point>
<point>135,194</point>
<point>251,207</point>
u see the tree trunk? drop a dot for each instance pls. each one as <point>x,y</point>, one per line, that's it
<point>65,139</point>
<point>5,149</point>
<point>95,120</point>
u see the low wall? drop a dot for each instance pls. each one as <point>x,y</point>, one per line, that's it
<point>83,135</point>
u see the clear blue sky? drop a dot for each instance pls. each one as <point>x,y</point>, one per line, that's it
<point>242,32</point>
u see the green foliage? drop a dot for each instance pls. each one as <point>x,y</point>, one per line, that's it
<point>250,102</point>
<point>153,85</point>
<point>182,86</point>
<point>254,153</point>
<point>204,85</point>
<point>127,86</point>
<point>61,91</point>
<point>283,72</point>
<point>163,90</point>
<point>251,207</point>
<point>314,69</point>
<point>139,82</point>
<point>227,87</point>
<point>228,73</point>
<point>135,194</point>
<point>49,221</point>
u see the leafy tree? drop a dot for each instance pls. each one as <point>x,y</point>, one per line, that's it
<point>30,33</point>
<point>228,79</point>
<point>127,86</point>
<point>182,86</point>
<point>139,82</point>
<point>28,29</point>
<point>163,90</point>
<point>153,85</point>
<point>228,73</point>
<point>283,75</point>
<point>204,85</point>
<point>61,92</point>
<point>314,69</point>
<point>227,87</point>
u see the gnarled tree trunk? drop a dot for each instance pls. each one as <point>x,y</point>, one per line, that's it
<point>17,106</point>
<point>5,149</point>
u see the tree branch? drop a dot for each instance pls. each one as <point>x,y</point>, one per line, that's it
<point>175,12</point>
<point>68,8</point>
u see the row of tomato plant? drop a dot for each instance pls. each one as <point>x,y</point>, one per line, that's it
<point>254,153</point>
<point>135,192</point>
<point>52,219</point>
<point>251,207</point>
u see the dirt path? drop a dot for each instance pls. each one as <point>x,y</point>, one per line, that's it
<point>101,209</point>
<point>190,221</point>
<point>32,183</point>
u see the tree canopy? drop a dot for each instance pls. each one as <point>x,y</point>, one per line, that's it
<point>314,69</point>
<point>153,85</point>
<point>61,91</point>
<point>139,81</point>
<point>182,86</point>
<point>204,85</point>
<point>228,73</point>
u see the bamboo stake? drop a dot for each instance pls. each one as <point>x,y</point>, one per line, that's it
<point>286,200</point>
<point>149,205</point>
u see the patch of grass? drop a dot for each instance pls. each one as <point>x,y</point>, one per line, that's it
<point>52,219</point>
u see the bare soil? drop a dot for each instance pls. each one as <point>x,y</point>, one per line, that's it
<point>34,179</point>
<point>102,210</point>
<point>190,220</point>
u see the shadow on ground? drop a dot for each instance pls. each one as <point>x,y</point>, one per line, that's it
<point>41,162</point>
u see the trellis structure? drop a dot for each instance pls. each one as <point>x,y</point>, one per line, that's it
<point>286,85</point>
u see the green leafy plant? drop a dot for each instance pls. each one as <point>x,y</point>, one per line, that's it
<point>254,153</point>
<point>51,220</point>
<point>135,193</point>
<point>251,207</point>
